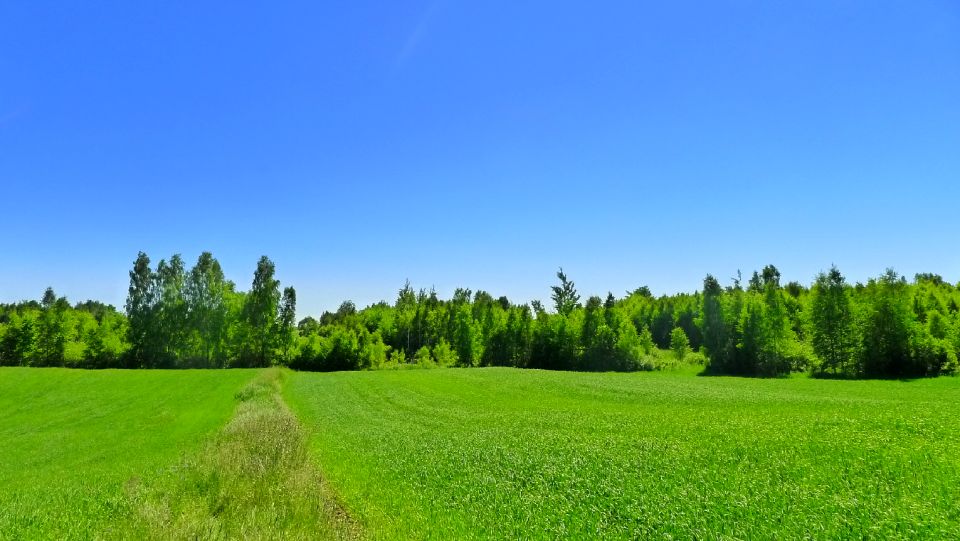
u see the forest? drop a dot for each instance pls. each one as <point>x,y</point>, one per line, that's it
<point>178,318</point>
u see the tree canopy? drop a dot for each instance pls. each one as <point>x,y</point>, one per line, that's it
<point>176,317</point>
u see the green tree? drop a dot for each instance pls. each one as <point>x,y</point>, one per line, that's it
<point>630,350</point>
<point>423,358</point>
<point>714,328</point>
<point>832,334</point>
<point>887,328</point>
<point>776,336</point>
<point>679,343</point>
<point>444,354</point>
<point>260,314</point>
<point>286,331</point>
<point>598,340</point>
<point>140,308</point>
<point>51,337</point>
<point>96,354</point>
<point>207,310</point>
<point>468,340</point>
<point>565,297</point>
<point>646,341</point>
<point>171,312</point>
<point>19,341</point>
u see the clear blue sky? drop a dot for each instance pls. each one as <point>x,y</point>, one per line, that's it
<point>480,144</point>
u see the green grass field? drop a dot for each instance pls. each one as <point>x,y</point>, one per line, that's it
<point>509,453</point>
<point>71,441</point>
<point>474,453</point>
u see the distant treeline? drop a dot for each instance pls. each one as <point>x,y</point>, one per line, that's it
<point>175,318</point>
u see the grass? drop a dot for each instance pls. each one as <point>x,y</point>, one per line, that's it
<point>253,480</point>
<point>474,453</point>
<point>508,453</point>
<point>71,441</point>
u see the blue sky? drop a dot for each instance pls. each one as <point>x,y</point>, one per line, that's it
<point>480,144</point>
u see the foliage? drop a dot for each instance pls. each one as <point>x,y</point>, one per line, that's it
<point>679,344</point>
<point>887,328</point>
<point>179,318</point>
<point>565,296</point>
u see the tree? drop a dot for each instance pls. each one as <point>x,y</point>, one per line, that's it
<point>18,343</point>
<point>751,343</point>
<point>886,333</point>
<point>171,312</point>
<point>711,320</point>
<point>646,341</point>
<point>51,340</point>
<point>679,343</point>
<point>598,340</point>
<point>444,355</point>
<point>96,354</point>
<point>556,343</point>
<point>776,335</point>
<point>286,332</point>
<point>406,308</point>
<point>260,314</point>
<point>467,339</point>
<point>831,319</point>
<point>771,276</point>
<point>140,313</point>
<point>565,297</point>
<point>519,335</point>
<point>630,350</point>
<point>308,325</point>
<point>423,358</point>
<point>207,310</point>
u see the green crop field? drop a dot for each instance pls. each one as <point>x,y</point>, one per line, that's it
<point>474,453</point>
<point>518,454</point>
<point>73,442</point>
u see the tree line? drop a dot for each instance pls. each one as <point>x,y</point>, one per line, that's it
<point>173,318</point>
<point>887,327</point>
<point>179,318</point>
<point>476,329</point>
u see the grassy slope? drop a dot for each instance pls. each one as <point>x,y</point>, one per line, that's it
<point>509,453</point>
<point>71,440</point>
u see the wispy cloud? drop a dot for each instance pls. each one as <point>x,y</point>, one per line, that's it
<point>415,37</point>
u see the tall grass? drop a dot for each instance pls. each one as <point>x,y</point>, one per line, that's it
<point>252,481</point>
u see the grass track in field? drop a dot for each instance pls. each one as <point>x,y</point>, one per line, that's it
<point>72,440</point>
<point>519,454</point>
<point>254,480</point>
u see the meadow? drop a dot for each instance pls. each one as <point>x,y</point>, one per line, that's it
<point>196,454</point>
<point>73,442</point>
<point>507,453</point>
<point>474,453</point>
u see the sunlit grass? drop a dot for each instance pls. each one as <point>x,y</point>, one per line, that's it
<point>252,481</point>
<point>72,441</point>
<point>530,454</point>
